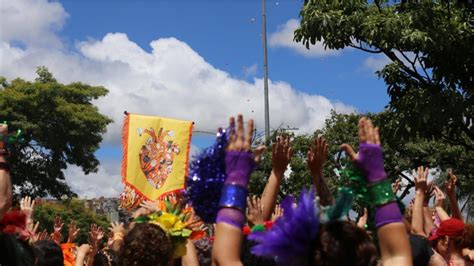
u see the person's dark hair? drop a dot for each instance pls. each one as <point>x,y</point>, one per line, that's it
<point>467,238</point>
<point>106,258</point>
<point>343,243</point>
<point>15,251</point>
<point>146,244</point>
<point>48,253</point>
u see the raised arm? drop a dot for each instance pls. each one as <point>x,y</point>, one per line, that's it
<point>393,239</point>
<point>439,204</point>
<point>27,206</point>
<point>5,181</point>
<point>451,192</point>
<point>417,226</point>
<point>231,216</point>
<point>317,155</point>
<point>281,156</point>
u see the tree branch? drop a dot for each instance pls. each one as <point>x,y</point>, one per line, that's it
<point>457,142</point>
<point>394,57</point>
<point>423,67</point>
<point>365,49</point>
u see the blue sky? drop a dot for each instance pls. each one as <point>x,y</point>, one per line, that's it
<point>224,34</point>
<point>210,52</point>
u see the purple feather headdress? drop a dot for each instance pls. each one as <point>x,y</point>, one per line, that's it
<point>292,238</point>
<point>206,178</point>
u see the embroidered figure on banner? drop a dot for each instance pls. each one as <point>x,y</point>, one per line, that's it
<point>157,155</point>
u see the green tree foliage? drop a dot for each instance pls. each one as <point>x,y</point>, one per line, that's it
<point>429,45</point>
<point>71,209</point>
<point>60,127</point>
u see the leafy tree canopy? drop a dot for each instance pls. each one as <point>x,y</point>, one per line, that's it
<point>429,45</point>
<point>60,126</point>
<point>71,209</point>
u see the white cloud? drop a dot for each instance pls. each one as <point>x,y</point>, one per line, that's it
<point>283,37</point>
<point>172,81</point>
<point>375,63</point>
<point>31,21</point>
<point>250,70</point>
<point>106,182</point>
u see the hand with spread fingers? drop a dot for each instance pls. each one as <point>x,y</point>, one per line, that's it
<point>277,213</point>
<point>150,205</point>
<point>281,155</point>
<point>254,211</point>
<point>27,205</point>
<point>57,227</point>
<point>238,140</point>
<point>117,232</point>
<point>421,179</point>
<point>73,231</point>
<point>317,156</point>
<point>369,159</point>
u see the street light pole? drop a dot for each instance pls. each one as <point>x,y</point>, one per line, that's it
<point>265,71</point>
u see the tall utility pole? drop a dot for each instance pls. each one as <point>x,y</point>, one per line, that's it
<point>265,71</point>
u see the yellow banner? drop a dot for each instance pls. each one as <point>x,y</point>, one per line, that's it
<point>155,157</point>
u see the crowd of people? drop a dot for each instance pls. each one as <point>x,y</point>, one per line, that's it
<point>311,229</point>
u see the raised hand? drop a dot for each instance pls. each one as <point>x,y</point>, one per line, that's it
<point>141,212</point>
<point>72,232</point>
<point>43,235</point>
<point>152,206</point>
<point>277,213</point>
<point>451,191</point>
<point>317,155</point>
<point>439,204</point>
<point>239,141</point>
<point>254,211</point>
<point>258,153</point>
<point>281,154</point>
<point>57,226</point>
<point>439,197</point>
<point>421,179</point>
<point>451,183</point>
<point>95,235</point>
<point>370,156</point>
<point>117,228</point>
<point>27,205</point>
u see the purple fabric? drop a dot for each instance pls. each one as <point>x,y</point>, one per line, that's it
<point>388,213</point>
<point>239,166</point>
<point>370,161</point>
<point>231,216</point>
<point>291,238</point>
